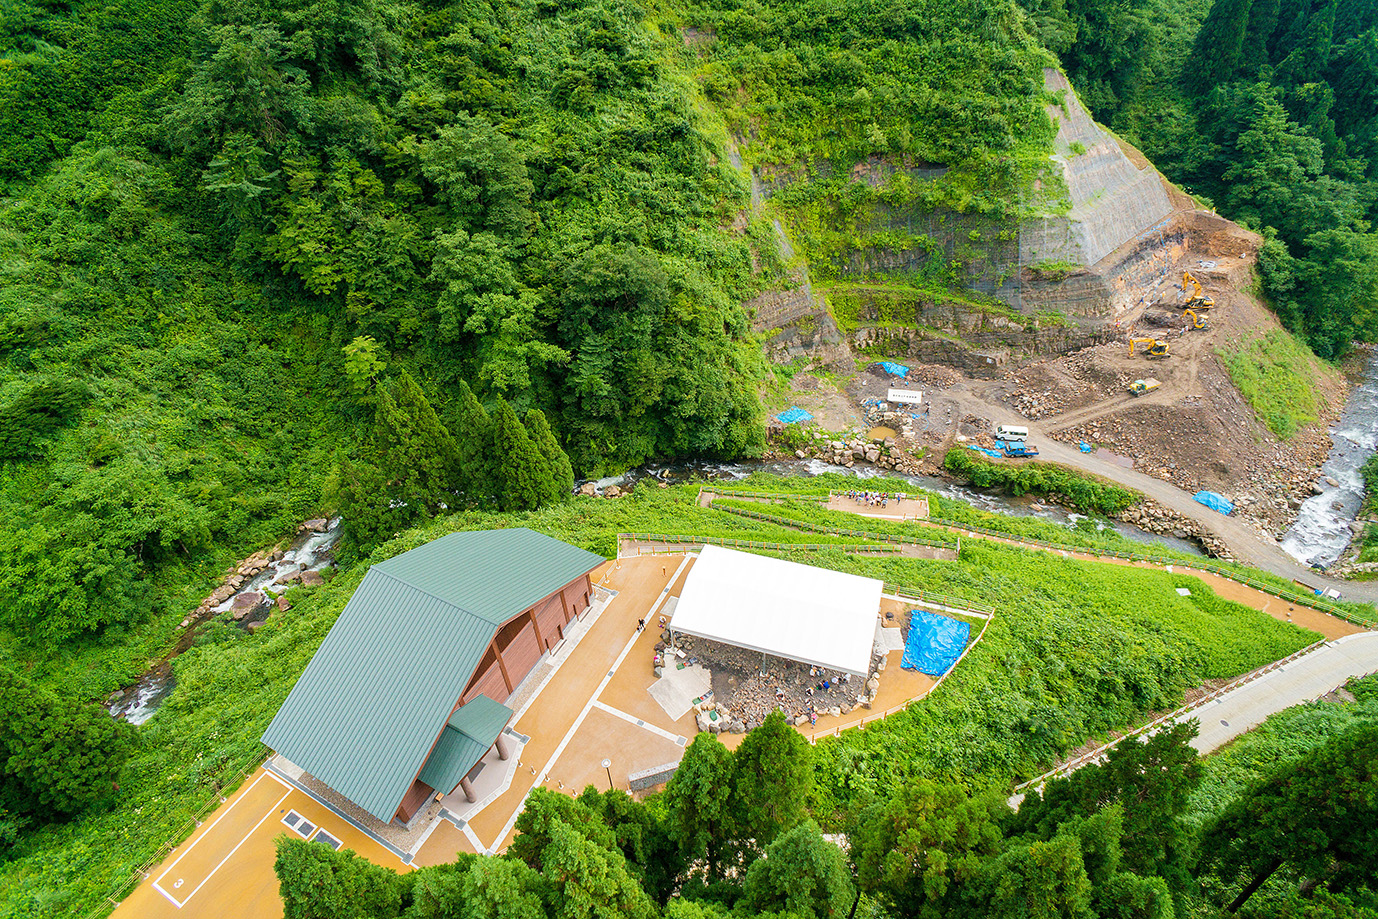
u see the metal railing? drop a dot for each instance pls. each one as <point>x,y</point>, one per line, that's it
<point>838,731</point>
<point>840,531</point>
<point>184,829</point>
<point>1229,573</point>
<point>767,495</point>
<point>679,539</point>
<point>1072,765</point>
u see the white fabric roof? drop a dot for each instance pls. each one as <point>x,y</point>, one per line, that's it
<point>824,618</point>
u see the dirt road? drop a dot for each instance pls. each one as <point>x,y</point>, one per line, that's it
<point>1248,545</point>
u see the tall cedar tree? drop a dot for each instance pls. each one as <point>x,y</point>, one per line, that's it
<point>58,756</point>
<point>1152,781</point>
<point>562,473</point>
<point>472,430</point>
<point>361,495</point>
<point>316,882</point>
<point>699,801</point>
<point>774,778</point>
<point>652,854</point>
<point>1218,57</point>
<point>1317,815</point>
<point>919,850</point>
<point>1032,879</point>
<point>525,479</point>
<point>415,452</point>
<point>591,881</point>
<point>535,825</point>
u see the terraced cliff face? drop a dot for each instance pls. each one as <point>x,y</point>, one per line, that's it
<point>1113,199</point>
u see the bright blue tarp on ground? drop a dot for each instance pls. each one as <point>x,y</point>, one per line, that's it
<point>1214,501</point>
<point>993,453</point>
<point>794,415</point>
<point>898,370</point>
<point>935,642</point>
<point>1085,447</point>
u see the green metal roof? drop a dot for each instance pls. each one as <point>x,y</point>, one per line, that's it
<point>468,734</point>
<point>493,574</point>
<point>376,696</point>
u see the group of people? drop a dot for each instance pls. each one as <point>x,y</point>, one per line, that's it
<point>873,498</point>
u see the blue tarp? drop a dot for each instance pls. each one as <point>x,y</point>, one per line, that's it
<point>992,453</point>
<point>794,415</point>
<point>894,369</point>
<point>1213,501</point>
<point>935,642</point>
<point>1085,447</point>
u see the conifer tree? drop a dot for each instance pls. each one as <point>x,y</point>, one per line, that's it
<point>562,473</point>
<point>524,476</point>
<point>472,430</point>
<point>1218,57</point>
<point>802,875</point>
<point>57,755</point>
<point>774,777</point>
<point>699,802</point>
<point>415,452</point>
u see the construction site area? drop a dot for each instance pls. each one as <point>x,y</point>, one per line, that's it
<point>1115,336</point>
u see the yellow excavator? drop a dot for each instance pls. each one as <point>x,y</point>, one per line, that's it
<point>1152,347</point>
<point>1197,322</point>
<point>1196,299</point>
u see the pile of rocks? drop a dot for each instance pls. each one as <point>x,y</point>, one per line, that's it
<point>1034,406</point>
<point>746,688</point>
<point>933,375</point>
<point>249,604</point>
<point>1151,516</point>
<point>887,454</point>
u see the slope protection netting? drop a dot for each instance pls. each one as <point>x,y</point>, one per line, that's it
<point>935,642</point>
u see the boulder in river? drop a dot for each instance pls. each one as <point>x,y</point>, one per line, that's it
<point>312,579</point>
<point>247,602</point>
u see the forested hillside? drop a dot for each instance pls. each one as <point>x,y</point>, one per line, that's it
<point>1268,109</point>
<point>230,226</point>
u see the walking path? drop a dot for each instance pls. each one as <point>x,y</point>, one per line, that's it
<point>1303,680</point>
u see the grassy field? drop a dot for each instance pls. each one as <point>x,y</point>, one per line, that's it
<point>1276,374</point>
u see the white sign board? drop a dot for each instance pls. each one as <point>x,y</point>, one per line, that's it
<point>911,396</point>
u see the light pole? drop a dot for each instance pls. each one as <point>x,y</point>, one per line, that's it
<point>607,765</point>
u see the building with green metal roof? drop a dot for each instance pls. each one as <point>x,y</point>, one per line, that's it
<point>406,693</point>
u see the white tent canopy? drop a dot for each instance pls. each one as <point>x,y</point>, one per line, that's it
<point>820,617</point>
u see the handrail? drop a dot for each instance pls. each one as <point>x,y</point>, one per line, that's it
<point>1077,762</point>
<point>754,544</point>
<point>1223,571</point>
<point>837,731</point>
<point>838,531</point>
<point>1209,567</point>
<point>748,493</point>
<point>184,829</point>
<point>959,604</point>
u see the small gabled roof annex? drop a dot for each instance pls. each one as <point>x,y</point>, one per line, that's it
<point>374,699</point>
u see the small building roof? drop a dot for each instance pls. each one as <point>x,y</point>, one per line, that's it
<point>468,734</point>
<point>376,696</point>
<point>820,617</point>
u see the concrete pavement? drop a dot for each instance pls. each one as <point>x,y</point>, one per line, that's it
<point>1302,680</point>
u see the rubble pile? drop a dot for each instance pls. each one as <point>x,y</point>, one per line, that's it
<point>1151,516</point>
<point>933,375</point>
<point>748,686</point>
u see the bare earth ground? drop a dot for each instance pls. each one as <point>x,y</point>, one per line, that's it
<point>1195,432</point>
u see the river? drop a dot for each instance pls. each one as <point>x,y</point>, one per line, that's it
<point>1323,531</point>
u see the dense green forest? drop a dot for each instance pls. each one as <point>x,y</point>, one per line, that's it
<point>1268,109</point>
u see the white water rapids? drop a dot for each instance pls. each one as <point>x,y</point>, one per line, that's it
<point>1323,528</point>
